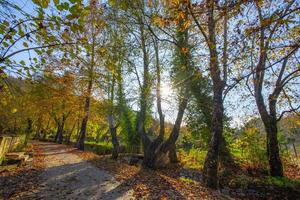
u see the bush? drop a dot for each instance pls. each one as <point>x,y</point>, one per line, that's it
<point>101,148</point>
<point>283,182</point>
<point>251,148</point>
<point>193,158</point>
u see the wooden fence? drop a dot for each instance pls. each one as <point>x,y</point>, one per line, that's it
<point>10,143</point>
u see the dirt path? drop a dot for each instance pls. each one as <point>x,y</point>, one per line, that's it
<point>67,176</point>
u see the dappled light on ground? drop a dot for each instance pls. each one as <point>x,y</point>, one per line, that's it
<point>67,176</point>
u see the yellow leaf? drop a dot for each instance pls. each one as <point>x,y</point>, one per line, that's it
<point>186,24</point>
<point>14,110</point>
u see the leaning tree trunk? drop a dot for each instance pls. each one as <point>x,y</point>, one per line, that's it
<point>158,153</point>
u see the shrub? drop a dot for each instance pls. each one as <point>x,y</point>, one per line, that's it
<point>251,148</point>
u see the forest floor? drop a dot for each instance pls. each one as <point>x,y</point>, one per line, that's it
<point>62,172</point>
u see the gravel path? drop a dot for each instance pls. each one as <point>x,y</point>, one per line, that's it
<point>67,176</point>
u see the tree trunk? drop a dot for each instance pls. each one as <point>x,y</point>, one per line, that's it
<point>28,130</point>
<point>115,142</point>
<point>269,118</point>
<point>275,164</point>
<point>172,154</point>
<point>270,124</point>
<point>78,130</point>
<point>82,133</point>
<point>61,131</point>
<point>158,153</point>
<point>81,138</point>
<point>210,171</point>
<point>60,136</point>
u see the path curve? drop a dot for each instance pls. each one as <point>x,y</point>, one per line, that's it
<point>67,176</point>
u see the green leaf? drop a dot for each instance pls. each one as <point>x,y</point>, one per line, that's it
<point>20,31</point>
<point>75,1</point>
<point>22,62</point>
<point>5,44</point>
<point>60,7</point>
<point>39,52</point>
<point>74,27</point>
<point>51,25</point>
<point>41,3</point>
<point>5,23</point>
<point>56,2</point>
<point>49,51</point>
<point>65,5</point>
<point>112,2</point>
<point>25,44</point>
<point>80,21</point>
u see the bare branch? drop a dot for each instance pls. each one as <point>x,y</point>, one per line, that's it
<point>291,106</point>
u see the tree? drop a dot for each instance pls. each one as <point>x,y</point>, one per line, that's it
<point>269,29</point>
<point>217,16</point>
